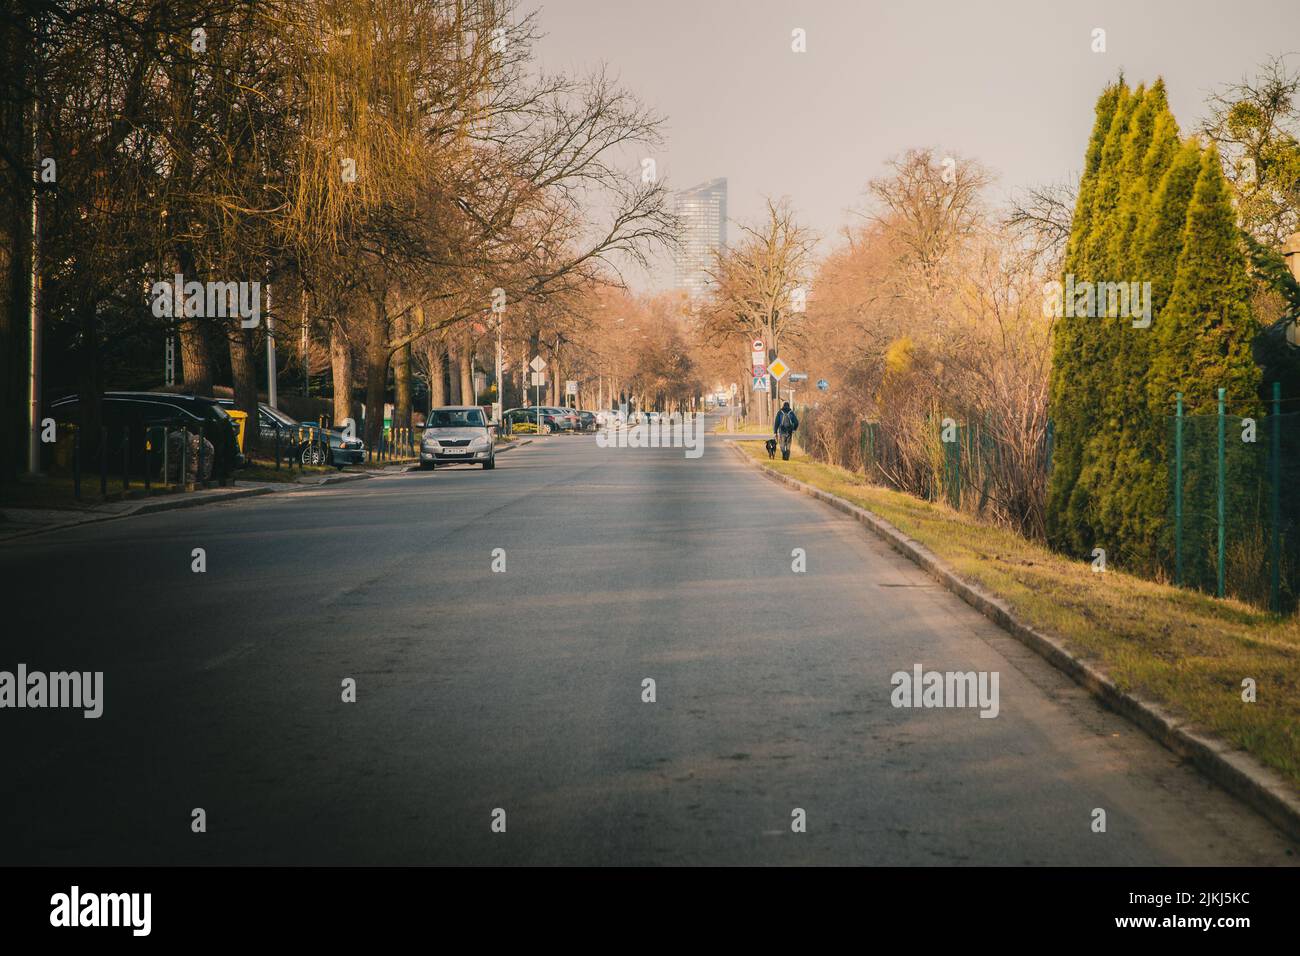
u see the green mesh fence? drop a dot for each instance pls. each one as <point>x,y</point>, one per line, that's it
<point>1230,526</point>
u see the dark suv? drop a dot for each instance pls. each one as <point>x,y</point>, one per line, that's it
<point>134,414</point>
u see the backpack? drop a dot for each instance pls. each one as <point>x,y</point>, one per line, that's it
<point>787,421</point>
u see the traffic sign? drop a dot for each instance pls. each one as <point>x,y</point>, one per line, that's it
<point>778,369</point>
<point>758,345</point>
<point>760,383</point>
<point>571,387</point>
<point>537,364</point>
<point>798,376</point>
<point>538,379</point>
<point>823,384</point>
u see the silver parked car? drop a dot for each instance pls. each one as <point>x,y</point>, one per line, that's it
<point>457,433</point>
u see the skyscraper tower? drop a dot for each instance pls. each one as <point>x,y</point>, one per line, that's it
<point>703,213</point>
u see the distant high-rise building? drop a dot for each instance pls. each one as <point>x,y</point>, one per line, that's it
<point>703,213</point>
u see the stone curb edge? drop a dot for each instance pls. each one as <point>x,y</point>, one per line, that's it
<point>1234,770</point>
<point>163,504</point>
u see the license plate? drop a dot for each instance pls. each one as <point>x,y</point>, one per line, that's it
<point>455,451</point>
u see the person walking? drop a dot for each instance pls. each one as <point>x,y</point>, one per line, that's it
<point>784,428</point>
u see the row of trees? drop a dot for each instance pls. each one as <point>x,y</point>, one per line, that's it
<point>938,308</point>
<point>1156,213</point>
<point>388,174</point>
<point>928,311</point>
<point>929,315</point>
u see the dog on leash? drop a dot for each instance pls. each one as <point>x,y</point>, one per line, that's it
<point>770,445</point>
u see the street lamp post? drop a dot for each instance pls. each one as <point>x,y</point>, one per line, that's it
<point>500,402</point>
<point>272,398</point>
<point>1291,253</point>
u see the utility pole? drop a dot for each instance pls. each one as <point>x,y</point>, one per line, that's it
<point>271,397</point>
<point>500,402</point>
<point>34,308</point>
<point>306,362</point>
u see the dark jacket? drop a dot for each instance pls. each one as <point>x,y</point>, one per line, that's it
<point>786,421</point>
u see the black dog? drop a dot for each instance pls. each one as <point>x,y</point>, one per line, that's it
<point>770,445</point>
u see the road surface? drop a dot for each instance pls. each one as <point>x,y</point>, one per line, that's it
<point>523,690</point>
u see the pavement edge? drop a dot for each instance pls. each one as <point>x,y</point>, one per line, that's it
<point>1234,770</point>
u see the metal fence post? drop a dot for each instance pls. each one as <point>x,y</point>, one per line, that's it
<point>1178,492</point>
<point>1275,506</point>
<point>76,462</point>
<point>185,459</point>
<point>1222,489</point>
<point>199,481</point>
<point>126,458</point>
<point>103,461</point>
<point>148,482</point>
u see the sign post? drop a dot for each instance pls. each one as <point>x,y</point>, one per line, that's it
<point>537,364</point>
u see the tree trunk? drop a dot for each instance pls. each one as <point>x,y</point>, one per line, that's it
<point>90,385</point>
<point>16,128</point>
<point>453,373</point>
<point>196,350</point>
<point>402,382</point>
<point>377,357</point>
<point>243,371</point>
<point>341,373</point>
<point>466,371</point>
<point>436,360</point>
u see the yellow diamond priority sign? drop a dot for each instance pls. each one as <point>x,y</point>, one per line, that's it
<point>778,369</point>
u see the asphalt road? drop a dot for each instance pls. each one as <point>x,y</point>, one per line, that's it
<point>522,690</point>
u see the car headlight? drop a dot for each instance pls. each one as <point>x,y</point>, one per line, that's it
<point>480,443</point>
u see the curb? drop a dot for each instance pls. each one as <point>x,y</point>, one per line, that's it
<point>1234,770</point>
<point>175,504</point>
<point>332,479</point>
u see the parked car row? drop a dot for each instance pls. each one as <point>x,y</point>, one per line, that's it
<point>453,434</point>
<point>550,420</point>
<point>128,416</point>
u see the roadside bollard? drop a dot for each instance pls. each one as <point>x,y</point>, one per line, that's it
<point>277,447</point>
<point>148,447</point>
<point>185,459</point>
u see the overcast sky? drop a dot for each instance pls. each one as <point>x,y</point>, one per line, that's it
<point>1011,83</point>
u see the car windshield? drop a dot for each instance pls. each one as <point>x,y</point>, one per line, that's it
<point>279,416</point>
<point>455,418</point>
